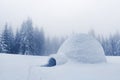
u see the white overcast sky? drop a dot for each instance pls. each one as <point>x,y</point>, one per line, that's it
<point>59,17</point>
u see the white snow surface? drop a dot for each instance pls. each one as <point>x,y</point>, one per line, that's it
<point>82,48</point>
<point>18,67</point>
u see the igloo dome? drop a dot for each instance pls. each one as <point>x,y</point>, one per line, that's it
<point>82,48</point>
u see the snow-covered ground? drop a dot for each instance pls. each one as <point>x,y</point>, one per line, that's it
<point>18,67</point>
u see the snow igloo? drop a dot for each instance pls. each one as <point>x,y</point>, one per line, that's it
<point>81,48</point>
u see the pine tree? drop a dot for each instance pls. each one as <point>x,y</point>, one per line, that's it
<point>0,44</point>
<point>39,41</point>
<point>7,40</point>
<point>42,41</point>
<point>116,44</point>
<point>26,38</point>
<point>17,42</point>
<point>118,48</point>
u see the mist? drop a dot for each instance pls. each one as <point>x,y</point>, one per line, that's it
<point>63,17</point>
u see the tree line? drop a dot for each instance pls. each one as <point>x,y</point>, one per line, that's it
<point>28,41</point>
<point>110,44</point>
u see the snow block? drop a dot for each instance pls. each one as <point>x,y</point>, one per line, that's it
<point>83,48</point>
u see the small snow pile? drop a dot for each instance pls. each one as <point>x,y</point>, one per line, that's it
<point>82,48</point>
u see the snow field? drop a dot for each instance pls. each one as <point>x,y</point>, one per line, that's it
<point>18,67</point>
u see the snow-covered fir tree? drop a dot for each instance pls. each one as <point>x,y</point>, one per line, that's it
<point>39,41</point>
<point>0,44</point>
<point>7,40</point>
<point>115,42</point>
<point>17,42</point>
<point>26,38</point>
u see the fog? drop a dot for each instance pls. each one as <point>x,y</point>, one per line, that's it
<point>63,17</point>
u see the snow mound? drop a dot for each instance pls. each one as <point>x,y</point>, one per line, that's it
<point>82,48</point>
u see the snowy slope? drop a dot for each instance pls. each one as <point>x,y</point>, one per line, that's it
<point>18,67</point>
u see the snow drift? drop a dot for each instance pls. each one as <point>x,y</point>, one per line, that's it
<point>81,48</point>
